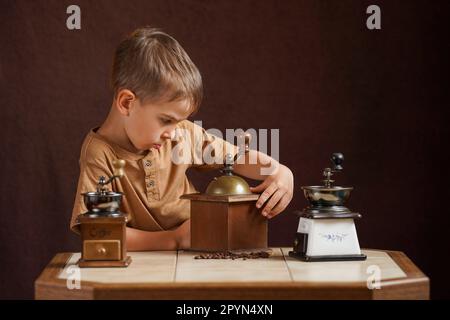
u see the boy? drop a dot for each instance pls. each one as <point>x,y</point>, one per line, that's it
<point>156,88</point>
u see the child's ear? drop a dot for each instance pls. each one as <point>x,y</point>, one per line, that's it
<point>124,101</point>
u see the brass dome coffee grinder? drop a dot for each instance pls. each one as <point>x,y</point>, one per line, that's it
<point>103,226</point>
<point>225,217</point>
<point>326,229</point>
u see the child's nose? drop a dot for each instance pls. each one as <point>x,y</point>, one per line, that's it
<point>167,135</point>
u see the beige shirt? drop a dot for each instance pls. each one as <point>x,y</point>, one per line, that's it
<point>154,181</point>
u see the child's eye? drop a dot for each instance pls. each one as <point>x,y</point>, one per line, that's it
<point>166,121</point>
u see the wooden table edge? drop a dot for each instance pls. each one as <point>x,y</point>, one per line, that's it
<point>416,285</point>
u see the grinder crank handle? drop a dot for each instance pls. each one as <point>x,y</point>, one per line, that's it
<point>230,160</point>
<point>247,139</point>
<point>118,172</point>
<point>337,158</point>
<point>118,165</point>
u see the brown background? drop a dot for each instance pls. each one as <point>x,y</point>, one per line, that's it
<point>310,68</point>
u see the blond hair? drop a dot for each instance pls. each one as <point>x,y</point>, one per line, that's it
<point>154,66</point>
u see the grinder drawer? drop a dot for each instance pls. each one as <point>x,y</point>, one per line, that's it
<point>101,250</point>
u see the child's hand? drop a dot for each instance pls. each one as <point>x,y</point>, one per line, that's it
<point>279,188</point>
<point>183,235</point>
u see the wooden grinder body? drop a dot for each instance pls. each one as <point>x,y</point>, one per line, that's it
<point>103,241</point>
<point>226,222</point>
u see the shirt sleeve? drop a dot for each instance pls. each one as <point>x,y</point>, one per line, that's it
<point>208,151</point>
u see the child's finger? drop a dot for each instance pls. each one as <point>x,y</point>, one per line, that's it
<point>262,186</point>
<point>266,195</point>
<point>282,204</point>
<point>272,202</point>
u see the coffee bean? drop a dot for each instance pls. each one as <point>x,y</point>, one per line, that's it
<point>233,256</point>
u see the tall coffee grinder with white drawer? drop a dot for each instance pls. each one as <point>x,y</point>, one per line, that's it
<point>326,229</point>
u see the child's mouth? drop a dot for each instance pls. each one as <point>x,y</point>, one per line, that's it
<point>156,146</point>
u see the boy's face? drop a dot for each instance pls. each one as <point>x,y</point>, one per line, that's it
<point>149,125</point>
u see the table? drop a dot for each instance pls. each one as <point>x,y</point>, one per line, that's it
<point>177,275</point>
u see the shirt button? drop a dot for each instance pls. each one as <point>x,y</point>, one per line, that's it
<point>148,163</point>
<point>151,183</point>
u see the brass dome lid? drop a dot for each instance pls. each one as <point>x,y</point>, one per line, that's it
<point>228,185</point>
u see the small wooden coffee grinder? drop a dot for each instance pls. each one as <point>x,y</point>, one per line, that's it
<point>103,227</point>
<point>225,217</point>
<point>326,229</point>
